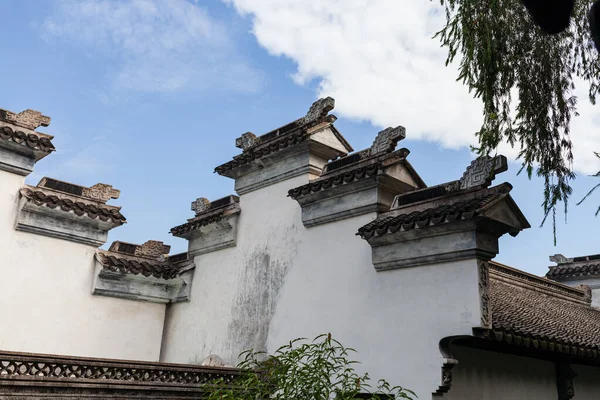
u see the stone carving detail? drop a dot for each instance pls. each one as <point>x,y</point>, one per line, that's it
<point>152,249</point>
<point>101,192</point>
<point>560,259</point>
<point>484,292</point>
<point>246,141</point>
<point>446,385</point>
<point>48,369</point>
<point>30,119</point>
<point>213,360</point>
<point>564,381</point>
<point>482,171</point>
<point>319,109</point>
<point>200,205</point>
<point>386,140</point>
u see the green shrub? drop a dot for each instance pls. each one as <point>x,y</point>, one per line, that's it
<point>303,370</point>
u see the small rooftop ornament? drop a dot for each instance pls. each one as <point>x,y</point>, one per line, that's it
<point>30,119</point>
<point>482,171</point>
<point>101,192</point>
<point>560,259</point>
<point>152,249</point>
<point>200,205</point>
<point>318,109</point>
<point>246,141</point>
<point>387,139</point>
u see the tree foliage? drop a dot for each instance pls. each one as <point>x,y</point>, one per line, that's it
<point>302,370</point>
<point>525,79</point>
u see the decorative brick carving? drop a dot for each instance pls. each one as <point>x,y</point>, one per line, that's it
<point>482,171</point>
<point>200,205</point>
<point>484,293</point>
<point>152,249</point>
<point>246,141</point>
<point>386,140</point>
<point>319,109</point>
<point>30,119</point>
<point>101,192</point>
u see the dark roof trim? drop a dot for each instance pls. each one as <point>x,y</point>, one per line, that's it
<point>80,208</point>
<point>31,140</point>
<point>211,215</point>
<point>272,145</point>
<point>445,213</point>
<point>116,263</point>
<point>358,170</point>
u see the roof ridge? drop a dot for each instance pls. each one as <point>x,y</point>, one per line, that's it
<point>526,279</point>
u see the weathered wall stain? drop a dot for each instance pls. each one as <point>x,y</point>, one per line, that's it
<point>254,305</point>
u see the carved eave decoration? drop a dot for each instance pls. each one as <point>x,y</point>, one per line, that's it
<point>140,273</point>
<point>214,226</point>
<point>20,145</point>
<point>359,183</point>
<point>314,132</point>
<point>81,218</point>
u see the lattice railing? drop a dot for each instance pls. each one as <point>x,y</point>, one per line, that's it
<point>37,373</point>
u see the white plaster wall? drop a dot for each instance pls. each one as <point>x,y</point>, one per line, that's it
<point>495,376</point>
<point>46,304</point>
<point>284,281</point>
<point>235,290</point>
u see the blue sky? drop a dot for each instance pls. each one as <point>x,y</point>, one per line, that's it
<point>150,95</point>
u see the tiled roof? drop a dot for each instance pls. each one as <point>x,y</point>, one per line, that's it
<point>358,167</point>
<point>78,205</point>
<point>443,213</point>
<point>561,272</point>
<point>115,262</point>
<point>536,312</point>
<point>255,147</point>
<point>149,259</point>
<point>212,212</point>
<point>35,141</point>
<point>272,142</point>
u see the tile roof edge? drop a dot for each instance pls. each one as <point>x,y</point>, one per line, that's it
<point>70,196</point>
<point>515,338</point>
<point>526,280</point>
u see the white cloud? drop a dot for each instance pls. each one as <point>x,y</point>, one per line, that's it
<point>156,45</point>
<point>377,58</point>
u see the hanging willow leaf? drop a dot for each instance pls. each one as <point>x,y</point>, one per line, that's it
<point>504,54</point>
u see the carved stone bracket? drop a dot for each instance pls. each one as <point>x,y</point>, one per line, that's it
<point>387,139</point>
<point>482,171</point>
<point>564,382</point>
<point>484,293</point>
<point>448,365</point>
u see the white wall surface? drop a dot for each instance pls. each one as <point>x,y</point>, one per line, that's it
<point>587,382</point>
<point>494,376</point>
<point>46,304</point>
<point>593,283</point>
<point>284,281</point>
